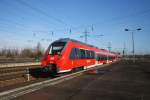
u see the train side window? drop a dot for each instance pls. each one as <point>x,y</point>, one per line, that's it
<point>92,54</point>
<point>99,57</point>
<point>102,57</point>
<point>96,56</point>
<point>106,57</point>
<point>72,54</point>
<point>88,55</point>
<point>82,53</point>
<point>110,57</point>
<point>77,51</point>
<point>85,53</point>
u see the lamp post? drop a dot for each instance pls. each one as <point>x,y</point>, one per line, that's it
<point>132,34</point>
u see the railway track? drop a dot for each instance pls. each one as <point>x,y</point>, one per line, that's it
<point>17,73</point>
<point>5,65</point>
<point>16,60</point>
<point>36,86</point>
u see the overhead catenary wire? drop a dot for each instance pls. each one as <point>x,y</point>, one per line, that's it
<point>44,13</point>
<point>40,11</point>
<point>90,25</point>
<point>19,9</point>
<point>75,28</point>
<point>18,25</point>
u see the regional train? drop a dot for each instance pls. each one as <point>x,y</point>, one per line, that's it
<point>66,54</point>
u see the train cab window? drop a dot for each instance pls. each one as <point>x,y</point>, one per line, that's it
<point>56,48</point>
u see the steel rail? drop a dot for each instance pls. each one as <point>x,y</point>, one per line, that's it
<point>19,64</point>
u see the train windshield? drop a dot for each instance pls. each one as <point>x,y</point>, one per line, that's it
<point>56,48</point>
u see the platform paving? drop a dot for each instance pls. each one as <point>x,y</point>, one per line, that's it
<point>120,81</point>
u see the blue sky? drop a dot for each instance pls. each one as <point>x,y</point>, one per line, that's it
<point>24,23</point>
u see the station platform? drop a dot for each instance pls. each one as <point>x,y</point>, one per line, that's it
<point>120,81</point>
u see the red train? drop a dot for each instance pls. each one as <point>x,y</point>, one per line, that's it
<point>67,54</point>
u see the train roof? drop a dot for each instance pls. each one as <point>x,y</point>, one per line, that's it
<point>72,40</point>
<point>68,39</point>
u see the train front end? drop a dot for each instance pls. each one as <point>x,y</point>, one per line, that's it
<point>53,56</point>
